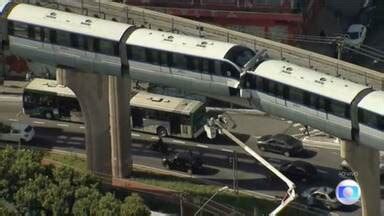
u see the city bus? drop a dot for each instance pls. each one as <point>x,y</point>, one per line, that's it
<point>152,113</point>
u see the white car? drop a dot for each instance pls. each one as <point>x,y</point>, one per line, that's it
<point>16,132</point>
<point>356,35</point>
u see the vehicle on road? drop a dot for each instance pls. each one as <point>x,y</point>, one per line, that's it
<point>184,161</point>
<point>16,132</point>
<point>299,170</point>
<point>152,113</point>
<point>280,143</point>
<point>355,35</point>
<point>323,196</point>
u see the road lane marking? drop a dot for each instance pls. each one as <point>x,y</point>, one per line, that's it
<point>153,137</point>
<point>290,122</point>
<point>227,150</point>
<point>38,122</point>
<point>62,125</point>
<point>82,127</point>
<point>202,146</point>
<point>135,134</point>
<point>74,143</point>
<point>14,120</point>
<point>62,137</point>
<point>178,141</point>
<point>77,138</point>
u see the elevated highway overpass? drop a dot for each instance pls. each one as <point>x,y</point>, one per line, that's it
<point>156,20</point>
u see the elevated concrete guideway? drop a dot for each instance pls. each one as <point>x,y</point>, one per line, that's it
<point>156,20</point>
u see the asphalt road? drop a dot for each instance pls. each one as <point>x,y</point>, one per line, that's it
<point>70,137</point>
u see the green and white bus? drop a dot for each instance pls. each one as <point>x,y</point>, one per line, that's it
<point>152,113</point>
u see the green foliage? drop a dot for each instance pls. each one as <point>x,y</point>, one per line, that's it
<point>108,206</point>
<point>134,206</point>
<point>33,189</point>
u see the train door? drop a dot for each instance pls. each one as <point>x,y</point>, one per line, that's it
<point>165,62</point>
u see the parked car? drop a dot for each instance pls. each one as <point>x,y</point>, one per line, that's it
<point>16,132</point>
<point>355,35</point>
<point>184,161</point>
<point>299,170</point>
<point>280,143</point>
<point>323,196</point>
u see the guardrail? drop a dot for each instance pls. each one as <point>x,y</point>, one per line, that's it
<point>160,21</point>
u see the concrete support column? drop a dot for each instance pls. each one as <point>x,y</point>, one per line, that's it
<point>364,161</point>
<point>120,127</point>
<point>92,93</point>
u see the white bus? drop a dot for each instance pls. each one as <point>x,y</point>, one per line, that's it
<point>152,113</point>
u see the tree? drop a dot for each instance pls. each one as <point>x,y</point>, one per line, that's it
<point>87,199</point>
<point>29,198</point>
<point>108,206</point>
<point>134,206</point>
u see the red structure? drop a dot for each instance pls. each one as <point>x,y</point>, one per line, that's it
<point>279,17</point>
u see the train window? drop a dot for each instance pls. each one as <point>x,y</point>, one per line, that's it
<point>371,119</point>
<point>250,81</point>
<point>138,53</point>
<point>280,90</point>
<point>31,32</point>
<point>96,45</point>
<point>337,108</point>
<point>296,95</point>
<point>107,47</point>
<point>239,55</point>
<point>83,42</point>
<point>207,66</point>
<point>20,29</point>
<point>164,58</point>
<point>381,123</point>
<point>196,64</point>
<point>11,27</point>
<point>217,70</point>
<point>265,85</point>
<point>152,56</point>
<point>229,70</point>
<point>63,38</point>
<point>129,52</point>
<point>52,36</point>
<point>39,33</point>
<point>74,40</point>
<point>259,83</point>
<point>179,61</point>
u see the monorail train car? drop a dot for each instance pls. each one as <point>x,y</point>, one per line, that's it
<point>96,45</point>
<point>345,109</point>
<point>371,120</point>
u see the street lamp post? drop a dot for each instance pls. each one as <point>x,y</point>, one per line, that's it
<point>206,202</point>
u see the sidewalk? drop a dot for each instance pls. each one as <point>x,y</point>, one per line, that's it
<point>13,87</point>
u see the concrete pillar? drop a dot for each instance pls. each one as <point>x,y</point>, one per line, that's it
<point>92,93</point>
<point>364,161</point>
<point>120,127</point>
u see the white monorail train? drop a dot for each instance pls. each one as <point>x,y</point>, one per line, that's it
<point>342,108</point>
<point>91,44</point>
<point>339,107</point>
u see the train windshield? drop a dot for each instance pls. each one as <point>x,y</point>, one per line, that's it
<point>240,55</point>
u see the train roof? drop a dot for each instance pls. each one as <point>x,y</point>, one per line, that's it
<point>165,103</point>
<point>309,80</point>
<point>49,86</point>
<point>179,43</point>
<point>373,102</point>
<point>3,3</point>
<point>75,23</point>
